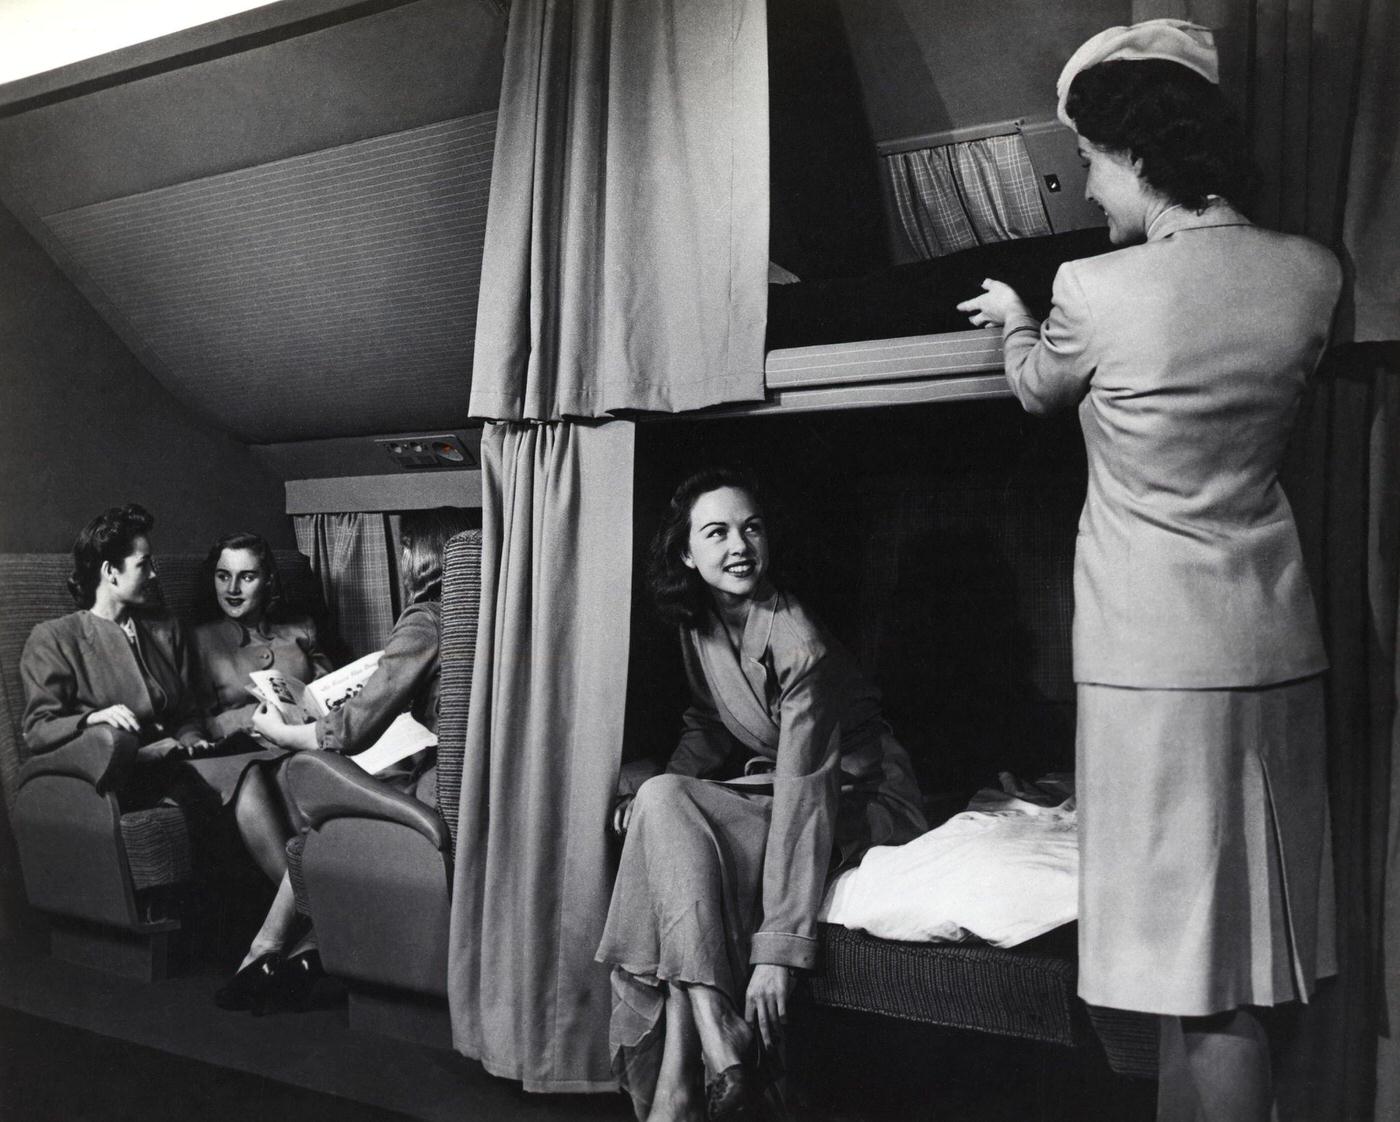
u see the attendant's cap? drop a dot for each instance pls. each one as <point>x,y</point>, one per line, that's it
<point>1172,40</point>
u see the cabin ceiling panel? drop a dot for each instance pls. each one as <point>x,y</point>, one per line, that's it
<point>385,72</point>
<point>329,294</point>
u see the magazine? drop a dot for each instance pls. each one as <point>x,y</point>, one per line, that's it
<point>300,703</point>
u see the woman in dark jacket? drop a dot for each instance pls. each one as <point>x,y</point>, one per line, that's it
<point>117,664</point>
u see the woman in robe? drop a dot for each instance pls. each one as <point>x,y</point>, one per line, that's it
<point>118,664</point>
<point>406,680</point>
<point>1205,877</point>
<point>784,771</point>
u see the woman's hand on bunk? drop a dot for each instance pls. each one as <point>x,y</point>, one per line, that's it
<point>998,303</point>
<point>118,716</point>
<point>765,1003</point>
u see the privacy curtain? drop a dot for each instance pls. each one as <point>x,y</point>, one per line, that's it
<point>544,740</point>
<point>957,196</point>
<point>626,255</point>
<point>355,559</point>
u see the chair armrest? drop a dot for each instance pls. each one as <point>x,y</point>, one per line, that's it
<point>326,785</point>
<point>100,754</point>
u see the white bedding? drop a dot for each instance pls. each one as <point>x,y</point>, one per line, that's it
<point>1005,871</point>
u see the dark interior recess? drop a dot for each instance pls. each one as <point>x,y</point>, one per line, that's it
<point>921,298</point>
<point>935,541</point>
<point>825,190</point>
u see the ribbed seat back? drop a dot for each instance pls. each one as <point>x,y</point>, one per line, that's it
<point>461,605</point>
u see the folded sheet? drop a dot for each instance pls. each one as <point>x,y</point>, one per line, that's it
<point>1004,871</point>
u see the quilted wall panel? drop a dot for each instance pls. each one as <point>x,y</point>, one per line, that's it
<point>329,294</point>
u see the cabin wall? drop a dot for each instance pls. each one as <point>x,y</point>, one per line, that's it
<point>927,68</point>
<point>83,426</point>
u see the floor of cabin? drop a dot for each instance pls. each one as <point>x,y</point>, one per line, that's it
<point>77,1044</point>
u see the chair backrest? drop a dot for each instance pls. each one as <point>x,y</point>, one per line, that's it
<point>33,589</point>
<point>461,606</point>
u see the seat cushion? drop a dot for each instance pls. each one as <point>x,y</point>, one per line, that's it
<point>157,846</point>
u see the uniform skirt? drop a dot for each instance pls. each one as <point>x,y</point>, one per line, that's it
<point>1205,858</point>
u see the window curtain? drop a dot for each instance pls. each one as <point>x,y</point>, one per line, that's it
<point>960,195</point>
<point>626,255</point>
<point>544,740</point>
<point>355,559</point>
<point>1316,83</point>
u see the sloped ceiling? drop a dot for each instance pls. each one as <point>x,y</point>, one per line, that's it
<point>290,235</point>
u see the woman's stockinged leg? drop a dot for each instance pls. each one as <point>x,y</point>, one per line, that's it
<point>725,1037</point>
<point>277,925</point>
<point>262,824</point>
<point>1219,1071</point>
<point>679,1093</point>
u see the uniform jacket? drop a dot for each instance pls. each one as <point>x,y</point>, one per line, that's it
<point>80,663</point>
<point>407,680</point>
<point>793,698</point>
<point>1187,357</point>
<point>226,652</point>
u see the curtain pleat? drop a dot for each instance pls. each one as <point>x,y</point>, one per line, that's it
<point>626,255</point>
<point>1372,221</point>
<point>544,742</point>
<point>956,196</point>
<point>354,558</point>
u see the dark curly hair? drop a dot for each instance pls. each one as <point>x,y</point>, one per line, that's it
<point>677,591</point>
<point>274,599</point>
<point>423,538</point>
<point>1190,141</point>
<point>107,538</point>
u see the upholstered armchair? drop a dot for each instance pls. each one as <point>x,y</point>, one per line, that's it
<point>373,869</point>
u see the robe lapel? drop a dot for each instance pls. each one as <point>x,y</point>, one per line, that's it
<point>739,683</point>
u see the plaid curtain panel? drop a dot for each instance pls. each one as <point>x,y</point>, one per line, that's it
<point>353,556</point>
<point>961,195</point>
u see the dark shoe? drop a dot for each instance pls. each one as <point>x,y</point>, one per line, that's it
<point>297,978</point>
<point>253,987</point>
<point>732,1095</point>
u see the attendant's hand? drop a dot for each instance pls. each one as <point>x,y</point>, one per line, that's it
<point>199,746</point>
<point>118,716</point>
<point>268,724</point>
<point>998,303</point>
<point>766,1002</point>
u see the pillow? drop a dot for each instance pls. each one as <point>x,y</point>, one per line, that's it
<point>1004,873</point>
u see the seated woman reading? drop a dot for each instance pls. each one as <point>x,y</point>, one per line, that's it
<point>118,665</point>
<point>785,769</point>
<point>405,681</point>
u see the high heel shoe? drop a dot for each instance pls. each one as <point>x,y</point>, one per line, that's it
<point>296,979</point>
<point>252,987</point>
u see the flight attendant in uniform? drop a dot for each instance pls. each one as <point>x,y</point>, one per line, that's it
<point>1206,891</point>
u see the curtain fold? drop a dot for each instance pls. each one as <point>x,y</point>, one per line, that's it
<point>355,559</point>
<point>544,742</point>
<point>626,255</point>
<point>960,195</point>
